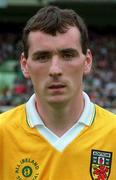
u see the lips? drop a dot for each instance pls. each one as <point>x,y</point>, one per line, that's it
<point>56,86</point>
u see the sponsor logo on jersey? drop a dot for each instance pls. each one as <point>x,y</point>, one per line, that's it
<point>27,169</point>
<point>100,164</point>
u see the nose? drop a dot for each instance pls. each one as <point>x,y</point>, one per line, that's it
<point>55,69</point>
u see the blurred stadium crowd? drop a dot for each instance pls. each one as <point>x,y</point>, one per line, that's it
<point>100,84</point>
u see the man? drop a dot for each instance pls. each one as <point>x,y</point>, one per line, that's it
<point>59,133</point>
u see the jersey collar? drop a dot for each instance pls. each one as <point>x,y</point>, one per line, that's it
<point>34,119</point>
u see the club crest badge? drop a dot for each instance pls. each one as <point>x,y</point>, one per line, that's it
<point>100,164</point>
<point>27,169</point>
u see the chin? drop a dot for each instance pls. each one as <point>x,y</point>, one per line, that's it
<point>57,100</point>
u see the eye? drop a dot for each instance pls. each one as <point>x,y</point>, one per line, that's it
<point>42,58</point>
<point>68,56</point>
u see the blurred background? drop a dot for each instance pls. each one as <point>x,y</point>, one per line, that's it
<point>100,17</point>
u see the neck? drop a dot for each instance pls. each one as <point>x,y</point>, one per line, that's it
<point>61,118</point>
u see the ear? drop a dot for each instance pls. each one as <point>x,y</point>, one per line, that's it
<point>88,62</point>
<point>24,66</point>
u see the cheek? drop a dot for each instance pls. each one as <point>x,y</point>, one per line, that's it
<point>37,75</point>
<point>76,75</point>
<point>34,70</point>
<point>77,70</point>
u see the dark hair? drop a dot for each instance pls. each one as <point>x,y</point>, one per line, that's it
<point>52,20</point>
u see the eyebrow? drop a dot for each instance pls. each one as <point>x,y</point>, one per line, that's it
<point>69,50</point>
<point>60,51</point>
<point>40,52</point>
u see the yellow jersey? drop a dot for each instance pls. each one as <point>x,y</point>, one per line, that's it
<point>26,155</point>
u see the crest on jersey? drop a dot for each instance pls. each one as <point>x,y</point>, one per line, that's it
<point>100,164</point>
<point>27,168</point>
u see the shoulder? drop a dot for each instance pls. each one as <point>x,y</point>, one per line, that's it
<point>12,115</point>
<point>105,117</point>
<point>104,113</point>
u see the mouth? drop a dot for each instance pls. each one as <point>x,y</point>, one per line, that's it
<point>57,86</point>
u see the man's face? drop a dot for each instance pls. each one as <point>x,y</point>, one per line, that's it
<point>56,65</point>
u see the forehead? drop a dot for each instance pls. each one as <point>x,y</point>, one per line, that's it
<point>40,40</point>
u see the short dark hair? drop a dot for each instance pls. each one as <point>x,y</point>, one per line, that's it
<point>52,20</point>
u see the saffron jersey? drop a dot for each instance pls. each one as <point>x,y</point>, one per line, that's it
<point>26,155</point>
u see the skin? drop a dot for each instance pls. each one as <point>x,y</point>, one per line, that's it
<point>56,66</point>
